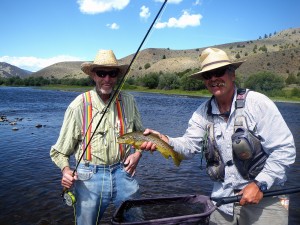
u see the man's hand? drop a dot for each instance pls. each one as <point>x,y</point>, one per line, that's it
<point>149,146</point>
<point>131,162</point>
<point>251,194</point>
<point>68,179</point>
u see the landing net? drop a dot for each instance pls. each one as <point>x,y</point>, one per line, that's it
<point>188,209</point>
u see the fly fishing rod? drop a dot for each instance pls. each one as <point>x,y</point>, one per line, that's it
<point>69,198</point>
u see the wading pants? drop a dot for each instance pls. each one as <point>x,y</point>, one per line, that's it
<point>269,211</point>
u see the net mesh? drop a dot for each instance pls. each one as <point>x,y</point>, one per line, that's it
<point>191,209</point>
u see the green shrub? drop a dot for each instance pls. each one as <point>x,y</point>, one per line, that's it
<point>265,81</point>
<point>147,65</point>
<point>168,82</point>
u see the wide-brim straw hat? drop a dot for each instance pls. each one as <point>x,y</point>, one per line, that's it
<point>213,58</point>
<point>105,59</point>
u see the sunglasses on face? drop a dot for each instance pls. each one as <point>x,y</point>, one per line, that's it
<point>104,73</point>
<point>216,73</point>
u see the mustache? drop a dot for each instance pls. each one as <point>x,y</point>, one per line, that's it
<point>217,84</point>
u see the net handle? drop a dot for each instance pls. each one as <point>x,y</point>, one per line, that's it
<point>237,198</point>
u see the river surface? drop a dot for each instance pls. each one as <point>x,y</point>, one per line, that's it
<point>30,183</point>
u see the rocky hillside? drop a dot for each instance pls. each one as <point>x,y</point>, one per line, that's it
<point>7,70</point>
<point>279,53</point>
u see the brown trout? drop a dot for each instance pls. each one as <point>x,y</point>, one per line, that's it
<point>137,138</point>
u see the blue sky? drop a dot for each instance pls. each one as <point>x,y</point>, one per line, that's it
<point>38,33</point>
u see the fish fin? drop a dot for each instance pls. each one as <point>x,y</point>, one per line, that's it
<point>177,159</point>
<point>165,155</point>
<point>136,146</point>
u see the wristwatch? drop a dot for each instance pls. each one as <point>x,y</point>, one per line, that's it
<point>263,186</point>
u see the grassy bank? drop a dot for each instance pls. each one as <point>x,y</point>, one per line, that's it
<point>201,93</point>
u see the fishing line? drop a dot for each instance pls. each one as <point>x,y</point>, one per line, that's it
<point>101,194</point>
<point>67,195</point>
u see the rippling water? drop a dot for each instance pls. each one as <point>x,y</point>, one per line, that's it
<point>30,183</point>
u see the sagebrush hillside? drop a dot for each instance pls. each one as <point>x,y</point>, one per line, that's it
<point>278,53</point>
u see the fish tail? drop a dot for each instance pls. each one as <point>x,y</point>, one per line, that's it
<point>177,158</point>
<point>176,161</point>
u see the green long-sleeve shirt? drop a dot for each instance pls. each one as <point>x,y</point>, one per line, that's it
<point>105,149</point>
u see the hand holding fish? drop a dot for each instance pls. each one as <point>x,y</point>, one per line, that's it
<point>151,140</point>
<point>151,146</point>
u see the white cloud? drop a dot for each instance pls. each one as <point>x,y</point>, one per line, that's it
<point>101,6</point>
<point>184,20</point>
<point>113,26</point>
<point>34,64</point>
<point>197,2</point>
<point>170,1</point>
<point>144,13</point>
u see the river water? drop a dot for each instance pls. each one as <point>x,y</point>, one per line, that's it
<point>30,183</point>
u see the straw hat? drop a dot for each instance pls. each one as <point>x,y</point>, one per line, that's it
<point>213,58</point>
<point>105,59</point>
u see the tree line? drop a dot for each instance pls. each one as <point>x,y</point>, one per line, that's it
<point>41,81</point>
<point>268,83</point>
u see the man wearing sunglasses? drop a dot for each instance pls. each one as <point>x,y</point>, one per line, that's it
<point>212,129</point>
<point>106,172</point>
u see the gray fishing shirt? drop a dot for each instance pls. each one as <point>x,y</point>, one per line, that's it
<point>264,118</point>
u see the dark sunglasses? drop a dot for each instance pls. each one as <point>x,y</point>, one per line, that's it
<point>216,73</point>
<point>104,73</point>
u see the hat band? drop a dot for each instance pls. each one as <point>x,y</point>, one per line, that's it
<point>208,64</point>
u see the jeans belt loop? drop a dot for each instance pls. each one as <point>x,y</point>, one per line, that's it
<point>94,169</point>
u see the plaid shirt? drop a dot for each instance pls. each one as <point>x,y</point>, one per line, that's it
<point>105,149</point>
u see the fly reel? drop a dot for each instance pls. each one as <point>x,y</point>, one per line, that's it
<point>68,198</point>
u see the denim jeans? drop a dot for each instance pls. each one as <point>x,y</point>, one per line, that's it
<point>97,187</point>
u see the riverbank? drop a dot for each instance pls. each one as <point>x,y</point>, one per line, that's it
<point>202,93</point>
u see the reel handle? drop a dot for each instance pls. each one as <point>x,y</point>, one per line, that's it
<point>63,191</point>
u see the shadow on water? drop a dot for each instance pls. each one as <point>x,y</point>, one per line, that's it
<point>30,183</point>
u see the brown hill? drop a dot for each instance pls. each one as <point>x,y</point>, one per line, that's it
<point>62,70</point>
<point>7,70</point>
<point>278,53</point>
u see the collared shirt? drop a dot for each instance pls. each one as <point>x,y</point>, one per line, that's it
<point>105,149</point>
<point>264,118</point>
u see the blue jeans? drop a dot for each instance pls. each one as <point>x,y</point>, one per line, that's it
<point>97,187</point>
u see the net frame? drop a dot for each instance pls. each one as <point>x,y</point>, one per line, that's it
<point>203,218</point>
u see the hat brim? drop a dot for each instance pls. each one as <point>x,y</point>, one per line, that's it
<point>198,75</point>
<point>89,68</point>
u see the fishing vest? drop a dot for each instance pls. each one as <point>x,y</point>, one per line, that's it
<point>248,154</point>
<point>87,120</point>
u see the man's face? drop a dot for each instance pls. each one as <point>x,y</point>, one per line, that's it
<point>105,80</point>
<point>220,81</point>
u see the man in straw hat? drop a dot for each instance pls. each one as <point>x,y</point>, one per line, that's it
<point>106,172</point>
<point>248,148</point>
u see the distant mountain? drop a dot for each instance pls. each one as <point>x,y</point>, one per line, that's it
<point>278,53</point>
<point>62,70</point>
<point>8,70</point>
